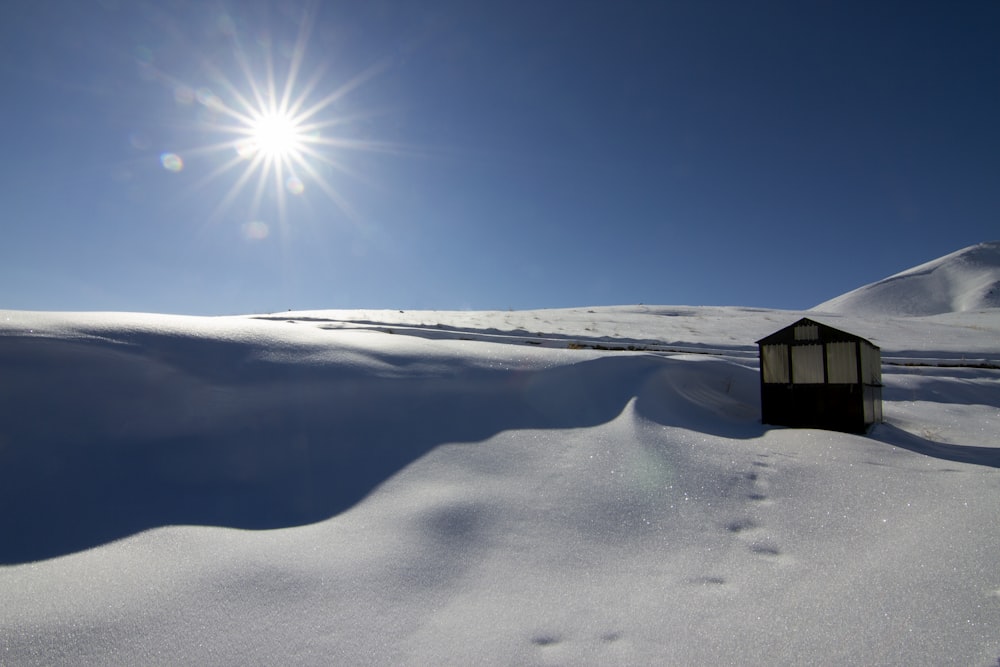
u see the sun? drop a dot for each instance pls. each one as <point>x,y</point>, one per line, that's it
<point>273,137</point>
<point>276,136</point>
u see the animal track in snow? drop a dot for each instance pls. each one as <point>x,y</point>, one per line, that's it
<point>758,485</point>
<point>741,525</point>
<point>765,549</point>
<point>750,485</point>
<point>545,640</point>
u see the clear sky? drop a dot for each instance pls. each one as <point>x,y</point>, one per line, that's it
<point>488,155</point>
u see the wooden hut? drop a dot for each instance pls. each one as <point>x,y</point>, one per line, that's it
<point>815,376</point>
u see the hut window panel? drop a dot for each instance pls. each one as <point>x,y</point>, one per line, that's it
<point>871,365</point>
<point>807,332</point>
<point>842,363</point>
<point>807,364</point>
<point>774,359</point>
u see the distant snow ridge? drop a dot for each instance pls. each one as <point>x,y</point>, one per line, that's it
<point>968,279</point>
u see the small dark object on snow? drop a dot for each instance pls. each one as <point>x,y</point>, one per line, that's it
<point>815,376</point>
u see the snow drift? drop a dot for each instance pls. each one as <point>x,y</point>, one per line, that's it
<point>577,486</point>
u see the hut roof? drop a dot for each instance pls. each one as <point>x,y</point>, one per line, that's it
<point>824,332</point>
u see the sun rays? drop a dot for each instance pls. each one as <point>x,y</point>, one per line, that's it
<point>272,135</point>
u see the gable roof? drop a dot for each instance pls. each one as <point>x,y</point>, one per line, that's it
<point>825,332</point>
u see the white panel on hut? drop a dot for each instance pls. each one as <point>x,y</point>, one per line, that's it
<point>842,363</point>
<point>807,332</point>
<point>807,364</point>
<point>871,365</point>
<point>774,363</point>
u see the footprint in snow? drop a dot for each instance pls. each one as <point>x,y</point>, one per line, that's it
<point>764,549</point>
<point>545,640</point>
<point>740,525</point>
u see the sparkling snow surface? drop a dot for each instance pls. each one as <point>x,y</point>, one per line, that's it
<point>415,488</point>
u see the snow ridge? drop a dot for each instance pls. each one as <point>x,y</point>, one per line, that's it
<point>965,280</point>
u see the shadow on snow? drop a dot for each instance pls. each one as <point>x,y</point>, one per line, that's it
<point>893,435</point>
<point>101,440</point>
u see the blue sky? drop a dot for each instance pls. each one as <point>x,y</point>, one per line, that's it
<point>491,155</point>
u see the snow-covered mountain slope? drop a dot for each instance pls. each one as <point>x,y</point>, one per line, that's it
<point>965,280</point>
<point>488,488</point>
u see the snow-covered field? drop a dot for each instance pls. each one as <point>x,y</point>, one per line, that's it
<point>578,486</point>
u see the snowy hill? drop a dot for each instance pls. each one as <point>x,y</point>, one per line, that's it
<point>966,280</point>
<point>583,486</point>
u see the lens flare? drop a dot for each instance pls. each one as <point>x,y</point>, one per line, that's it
<point>184,95</point>
<point>245,148</point>
<point>256,230</point>
<point>172,162</point>
<point>209,99</point>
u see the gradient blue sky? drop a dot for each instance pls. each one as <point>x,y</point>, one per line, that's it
<point>494,155</point>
